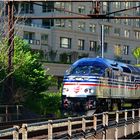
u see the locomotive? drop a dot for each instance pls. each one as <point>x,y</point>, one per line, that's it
<point>100,84</point>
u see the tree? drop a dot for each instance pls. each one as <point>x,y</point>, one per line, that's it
<point>136,54</point>
<point>28,73</point>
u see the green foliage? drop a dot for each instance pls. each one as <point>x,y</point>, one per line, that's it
<point>3,59</point>
<point>136,54</point>
<point>45,103</point>
<point>28,73</point>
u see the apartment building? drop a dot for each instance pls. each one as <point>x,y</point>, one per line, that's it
<point>66,40</point>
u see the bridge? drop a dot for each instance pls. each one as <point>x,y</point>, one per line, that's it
<point>106,125</point>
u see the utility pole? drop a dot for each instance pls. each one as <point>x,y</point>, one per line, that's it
<point>97,12</point>
<point>9,81</point>
<point>102,41</point>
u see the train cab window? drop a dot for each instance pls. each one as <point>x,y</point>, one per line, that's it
<point>88,70</point>
<point>81,70</point>
<point>125,69</point>
<point>96,70</point>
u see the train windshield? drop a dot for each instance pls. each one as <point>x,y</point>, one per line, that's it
<point>86,70</point>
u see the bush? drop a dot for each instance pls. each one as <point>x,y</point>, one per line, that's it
<point>45,103</point>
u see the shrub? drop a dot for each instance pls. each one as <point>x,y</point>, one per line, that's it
<point>45,103</point>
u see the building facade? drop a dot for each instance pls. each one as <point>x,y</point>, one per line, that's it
<point>66,40</point>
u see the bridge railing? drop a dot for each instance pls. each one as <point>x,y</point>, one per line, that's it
<point>83,126</point>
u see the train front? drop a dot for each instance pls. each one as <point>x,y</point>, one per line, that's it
<point>79,86</point>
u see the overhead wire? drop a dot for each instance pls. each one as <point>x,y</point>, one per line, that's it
<point>84,15</point>
<point>62,9</point>
<point>122,10</point>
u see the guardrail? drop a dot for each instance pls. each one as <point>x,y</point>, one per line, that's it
<point>103,125</point>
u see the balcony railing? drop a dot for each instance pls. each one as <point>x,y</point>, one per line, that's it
<point>33,41</point>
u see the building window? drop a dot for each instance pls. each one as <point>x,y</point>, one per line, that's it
<point>127,4</point>
<point>127,21</point>
<point>137,10</point>
<point>117,31</point>
<point>137,22</point>
<point>28,22</point>
<point>80,44</point>
<point>127,33</point>
<point>60,5</point>
<point>65,42</point>
<point>44,7</point>
<point>117,5</point>
<point>92,28</point>
<point>105,7</point>
<point>106,29</point>
<point>137,34</point>
<point>47,7</point>
<point>68,6</point>
<point>69,24</point>
<point>29,35</point>
<point>81,26</point>
<point>93,46</point>
<point>60,22</point>
<point>27,8</point>
<point>44,39</point>
<point>105,47</point>
<point>126,49</point>
<point>117,21</point>
<point>47,23</point>
<point>81,9</point>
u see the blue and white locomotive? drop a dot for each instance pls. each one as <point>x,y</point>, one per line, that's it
<point>100,84</point>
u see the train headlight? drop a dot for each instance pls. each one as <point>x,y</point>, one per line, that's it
<point>91,91</point>
<point>86,90</point>
<point>65,89</point>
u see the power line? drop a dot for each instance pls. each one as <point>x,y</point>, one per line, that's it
<point>122,10</point>
<point>61,9</point>
<point>90,16</point>
<point>97,14</point>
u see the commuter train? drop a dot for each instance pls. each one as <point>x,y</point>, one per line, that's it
<point>100,84</point>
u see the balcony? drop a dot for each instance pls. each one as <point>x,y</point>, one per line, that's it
<point>33,41</point>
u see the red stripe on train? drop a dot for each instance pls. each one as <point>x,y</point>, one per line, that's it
<point>112,86</point>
